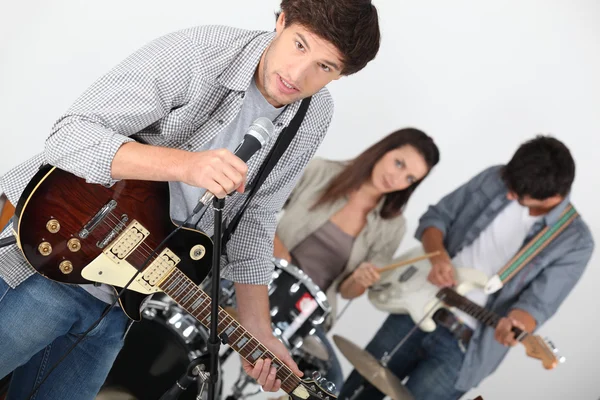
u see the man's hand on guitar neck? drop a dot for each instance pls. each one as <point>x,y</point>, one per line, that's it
<point>262,371</point>
<point>253,309</point>
<point>516,318</point>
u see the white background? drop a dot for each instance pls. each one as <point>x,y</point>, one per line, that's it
<point>479,76</point>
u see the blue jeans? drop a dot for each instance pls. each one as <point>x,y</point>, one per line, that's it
<point>430,360</point>
<point>39,320</point>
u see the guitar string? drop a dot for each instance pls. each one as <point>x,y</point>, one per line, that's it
<point>108,308</point>
<point>182,279</point>
<point>112,221</point>
<point>204,296</point>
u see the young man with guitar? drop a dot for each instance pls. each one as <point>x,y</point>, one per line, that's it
<point>174,111</point>
<point>515,225</point>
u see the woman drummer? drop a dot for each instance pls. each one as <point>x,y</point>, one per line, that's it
<point>343,219</point>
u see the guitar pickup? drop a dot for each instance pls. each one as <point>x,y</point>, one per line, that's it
<point>407,274</point>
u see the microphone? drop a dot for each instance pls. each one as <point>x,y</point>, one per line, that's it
<point>257,135</point>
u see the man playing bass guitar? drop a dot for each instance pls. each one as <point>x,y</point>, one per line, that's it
<point>483,225</point>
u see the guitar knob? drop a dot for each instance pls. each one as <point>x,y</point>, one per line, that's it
<point>74,245</point>
<point>316,376</point>
<point>66,267</point>
<point>45,248</point>
<point>330,386</point>
<point>53,226</point>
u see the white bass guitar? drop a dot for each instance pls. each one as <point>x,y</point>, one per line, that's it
<point>406,290</point>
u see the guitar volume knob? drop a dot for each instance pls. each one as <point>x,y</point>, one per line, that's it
<point>74,244</point>
<point>66,267</point>
<point>45,249</point>
<point>53,226</point>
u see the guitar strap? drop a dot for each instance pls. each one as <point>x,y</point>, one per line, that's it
<point>283,141</point>
<point>532,249</point>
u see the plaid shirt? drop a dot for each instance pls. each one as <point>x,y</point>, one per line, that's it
<point>179,91</point>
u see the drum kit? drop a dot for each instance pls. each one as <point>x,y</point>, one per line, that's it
<point>159,348</point>
<point>162,346</point>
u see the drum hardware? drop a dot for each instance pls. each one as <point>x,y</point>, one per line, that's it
<point>294,288</point>
<point>313,346</point>
<point>375,371</point>
<point>240,384</point>
<point>196,371</point>
<point>157,351</point>
<point>372,371</point>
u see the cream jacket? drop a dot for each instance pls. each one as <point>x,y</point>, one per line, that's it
<point>376,243</point>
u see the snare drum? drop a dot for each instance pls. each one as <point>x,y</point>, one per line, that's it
<point>297,304</point>
<point>157,351</point>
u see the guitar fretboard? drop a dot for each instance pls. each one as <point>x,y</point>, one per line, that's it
<point>483,315</point>
<point>196,302</point>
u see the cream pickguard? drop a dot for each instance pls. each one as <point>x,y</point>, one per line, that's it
<point>406,290</point>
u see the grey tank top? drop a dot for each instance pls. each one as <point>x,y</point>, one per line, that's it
<point>323,254</point>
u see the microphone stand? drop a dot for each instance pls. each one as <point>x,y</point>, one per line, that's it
<point>194,371</point>
<point>211,358</point>
<point>214,343</point>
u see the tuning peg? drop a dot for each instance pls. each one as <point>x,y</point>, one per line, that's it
<point>330,386</point>
<point>550,344</point>
<point>316,376</point>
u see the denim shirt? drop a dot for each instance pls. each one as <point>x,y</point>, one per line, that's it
<point>539,288</point>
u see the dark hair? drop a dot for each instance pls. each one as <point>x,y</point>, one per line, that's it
<point>359,170</point>
<point>352,26</point>
<point>541,168</point>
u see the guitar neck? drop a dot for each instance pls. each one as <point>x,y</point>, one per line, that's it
<point>487,317</point>
<point>196,302</point>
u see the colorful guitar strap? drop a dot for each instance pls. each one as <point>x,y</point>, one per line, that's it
<point>532,249</point>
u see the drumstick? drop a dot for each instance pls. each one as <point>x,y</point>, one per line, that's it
<point>406,262</point>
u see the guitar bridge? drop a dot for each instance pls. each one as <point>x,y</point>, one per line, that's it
<point>97,219</point>
<point>113,232</point>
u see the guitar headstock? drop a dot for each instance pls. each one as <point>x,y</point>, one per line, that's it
<point>317,388</point>
<point>543,349</point>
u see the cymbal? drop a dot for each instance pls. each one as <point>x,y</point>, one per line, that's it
<point>372,370</point>
<point>314,346</point>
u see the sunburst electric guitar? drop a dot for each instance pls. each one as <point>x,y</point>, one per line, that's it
<point>406,290</point>
<point>77,233</point>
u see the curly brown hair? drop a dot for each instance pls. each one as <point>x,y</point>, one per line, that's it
<point>352,26</point>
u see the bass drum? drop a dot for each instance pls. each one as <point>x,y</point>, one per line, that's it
<point>157,352</point>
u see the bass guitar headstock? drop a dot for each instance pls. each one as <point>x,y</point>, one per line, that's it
<point>544,350</point>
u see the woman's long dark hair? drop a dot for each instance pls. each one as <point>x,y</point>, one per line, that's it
<point>359,170</point>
